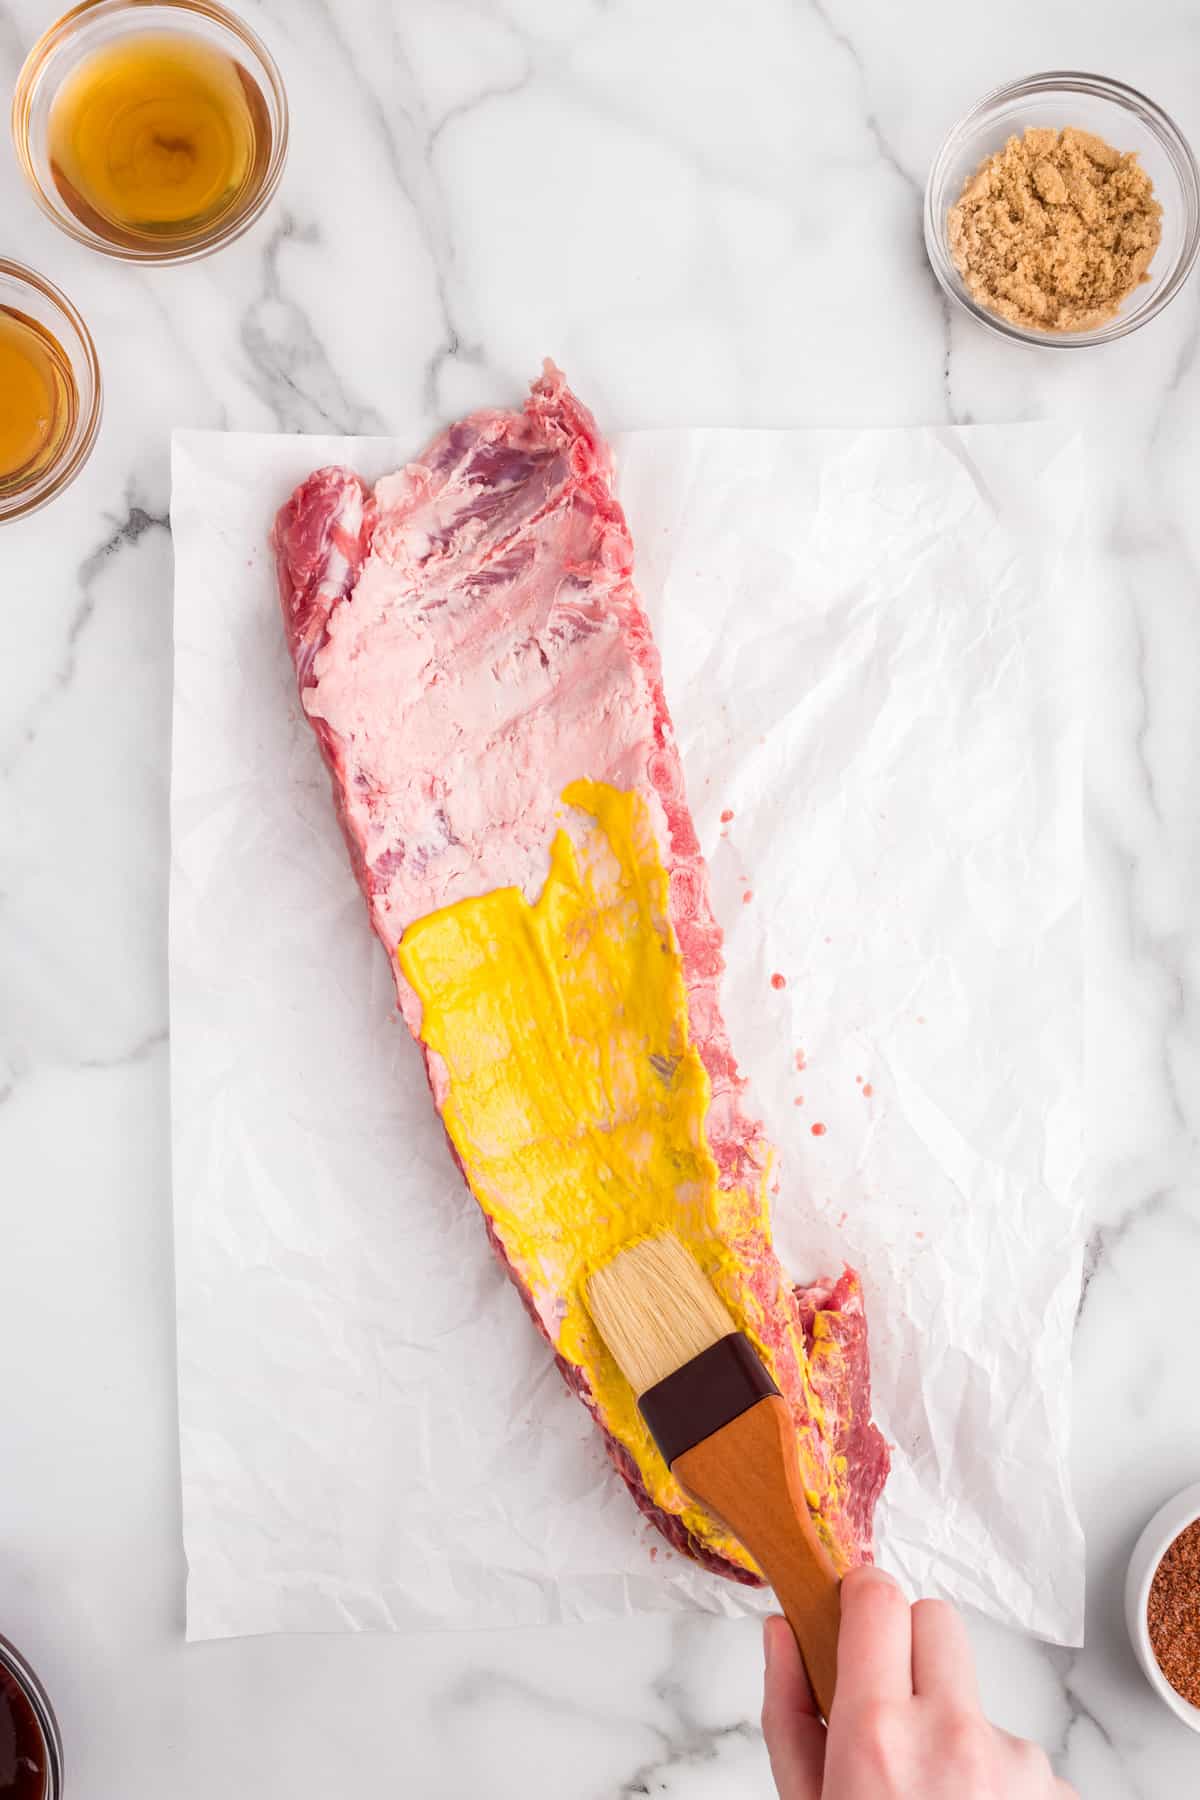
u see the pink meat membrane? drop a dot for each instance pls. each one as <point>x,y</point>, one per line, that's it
<point>468,641</point>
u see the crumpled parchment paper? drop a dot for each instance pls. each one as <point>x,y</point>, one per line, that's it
<point>869,647</point>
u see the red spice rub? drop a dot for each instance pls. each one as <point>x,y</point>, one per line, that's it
<point>1173,1613</point>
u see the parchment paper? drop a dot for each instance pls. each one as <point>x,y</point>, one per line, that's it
<point>869,649</point>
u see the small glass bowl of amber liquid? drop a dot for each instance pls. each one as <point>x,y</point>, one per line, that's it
<point>152,130</point>
<point>49,391</point>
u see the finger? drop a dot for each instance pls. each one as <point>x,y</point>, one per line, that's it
<point>875,1643</point>
<point>792,1727</point>
<point>1031,1769</point>
<point>943,1666</point>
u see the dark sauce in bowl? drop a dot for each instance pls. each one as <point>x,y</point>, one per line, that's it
<point>24,1757</point>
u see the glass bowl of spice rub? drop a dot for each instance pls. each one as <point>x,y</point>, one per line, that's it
<point>1162,1604</point>
<point>1063,210</point>
<point>152,130</point>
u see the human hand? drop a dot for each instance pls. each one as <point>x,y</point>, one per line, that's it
<point>906,1719</point>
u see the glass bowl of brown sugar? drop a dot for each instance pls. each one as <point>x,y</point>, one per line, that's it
<point>1063,210</point>
<point>1162,1604</point>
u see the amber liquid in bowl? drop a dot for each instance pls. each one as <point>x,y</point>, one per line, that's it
<point>156,137</point>
<point>39,406</point>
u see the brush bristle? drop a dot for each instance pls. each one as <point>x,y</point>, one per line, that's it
<point>655,1310</point>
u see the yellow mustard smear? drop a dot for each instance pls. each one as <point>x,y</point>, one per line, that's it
<point>575,1097</point>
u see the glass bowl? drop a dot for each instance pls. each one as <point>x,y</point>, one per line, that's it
<point>23,291</point>
<point>1123,118</point>
<point>17,1671</point>
<point>96,25</point>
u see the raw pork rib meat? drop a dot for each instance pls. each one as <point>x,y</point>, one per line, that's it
<point>468,642</point>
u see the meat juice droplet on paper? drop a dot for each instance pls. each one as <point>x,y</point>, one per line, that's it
<point>778,980</point>
<point>818,1130</point>
<point>748,896</point>
<point>726,816</point>
<point>868,1090</point>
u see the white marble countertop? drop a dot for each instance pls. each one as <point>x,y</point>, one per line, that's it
<point>704,219</point>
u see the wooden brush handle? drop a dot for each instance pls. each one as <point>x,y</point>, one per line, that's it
<point>748,1474</point>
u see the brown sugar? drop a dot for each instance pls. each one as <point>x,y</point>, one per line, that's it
<point>1056,230</point>
<point>1173,1614</point>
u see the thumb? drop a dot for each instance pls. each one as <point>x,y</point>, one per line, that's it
<point>792,1727</point>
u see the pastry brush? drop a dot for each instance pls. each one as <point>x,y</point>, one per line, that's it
<point>723,1427</point>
